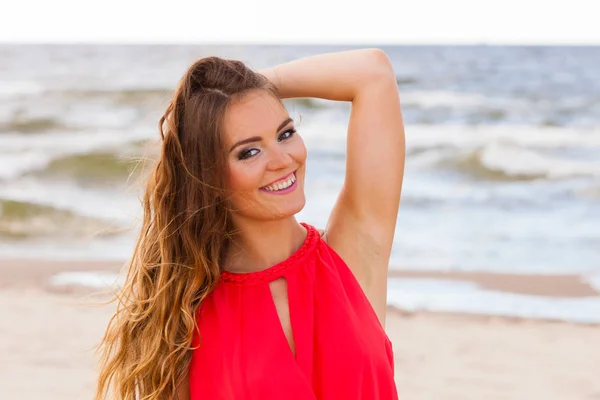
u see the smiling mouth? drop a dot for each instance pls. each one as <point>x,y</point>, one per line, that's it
<point>281,185</point>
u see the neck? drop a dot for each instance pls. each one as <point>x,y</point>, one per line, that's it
<point>259,245</point>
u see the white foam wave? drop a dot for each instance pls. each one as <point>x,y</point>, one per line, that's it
<point>12,88</point>
<point>517,162</point>
<point>432,99</point>
<point>15,164</point>
<point>516,152</point>
<point>70,143</point>
<point>594,280</point>
<point>415,294</point>
<point>464,136</point>
<point>24,153</point>
<point>88,202</point>
<point>499,161</point>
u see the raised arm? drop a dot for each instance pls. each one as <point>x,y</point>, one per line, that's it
<point>362,223</point>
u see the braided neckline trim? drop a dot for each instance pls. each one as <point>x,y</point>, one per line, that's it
<point>277,270</point>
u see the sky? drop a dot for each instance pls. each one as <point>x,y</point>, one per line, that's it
<point>301,22</point>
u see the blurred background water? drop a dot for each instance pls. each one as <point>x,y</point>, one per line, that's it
<point>503,150</point>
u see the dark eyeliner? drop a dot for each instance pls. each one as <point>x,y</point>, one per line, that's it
<point>245,154</point>
<point>291,131</point>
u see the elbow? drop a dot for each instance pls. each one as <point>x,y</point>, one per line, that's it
<point>381,68</point>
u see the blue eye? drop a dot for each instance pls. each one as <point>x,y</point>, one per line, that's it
<point>286,135</point>
<point>244,154</point>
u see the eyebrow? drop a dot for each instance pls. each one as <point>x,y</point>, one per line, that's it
<point>258,138</point>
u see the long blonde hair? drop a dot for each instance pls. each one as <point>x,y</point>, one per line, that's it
<point>146,350</point>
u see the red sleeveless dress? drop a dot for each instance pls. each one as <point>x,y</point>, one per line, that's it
<point>342,351</point>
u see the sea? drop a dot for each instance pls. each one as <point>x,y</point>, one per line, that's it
<point>502,169</point>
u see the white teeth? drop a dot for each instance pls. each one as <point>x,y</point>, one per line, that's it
<point>283,185</point>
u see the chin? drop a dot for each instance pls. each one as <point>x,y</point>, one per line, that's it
<point>275,209</point>
<point>287,209</point>
<point>290,209</point>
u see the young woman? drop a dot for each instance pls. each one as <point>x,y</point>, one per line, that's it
<point>227,295</point>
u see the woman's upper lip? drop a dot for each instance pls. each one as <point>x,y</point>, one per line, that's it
<point>285,178</point>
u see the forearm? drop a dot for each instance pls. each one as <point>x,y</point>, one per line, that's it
<point>334,76</point>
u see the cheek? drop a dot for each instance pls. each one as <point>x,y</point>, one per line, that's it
<point>243,178</point>
<point>299,151</point>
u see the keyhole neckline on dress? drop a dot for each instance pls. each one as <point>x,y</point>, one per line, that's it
<point>275,271</point>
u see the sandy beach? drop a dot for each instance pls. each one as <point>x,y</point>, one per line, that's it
<point>48,333</point>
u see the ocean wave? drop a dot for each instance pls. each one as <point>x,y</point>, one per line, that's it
<point>107,202</point>
<point>153,96</point>
<point>433,99</point>
<point>121,96</point>
<point>432,107</point>
<point>500,162</point>
<point>14,164</point>
<point>25,220</point>
<point>416,294</point>
<point>495,153</point>
<point>96,167</point>
<point>32,125</point>
<point>32,153</point>
<point>465,136</point>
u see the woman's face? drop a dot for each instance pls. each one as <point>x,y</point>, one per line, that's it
<point>266,158</point>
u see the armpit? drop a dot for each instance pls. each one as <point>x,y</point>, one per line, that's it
<point>323,234</point>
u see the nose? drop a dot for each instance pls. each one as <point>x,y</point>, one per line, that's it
<point>279,159</point>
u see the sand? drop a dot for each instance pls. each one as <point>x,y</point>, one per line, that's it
<point>47,336</point>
